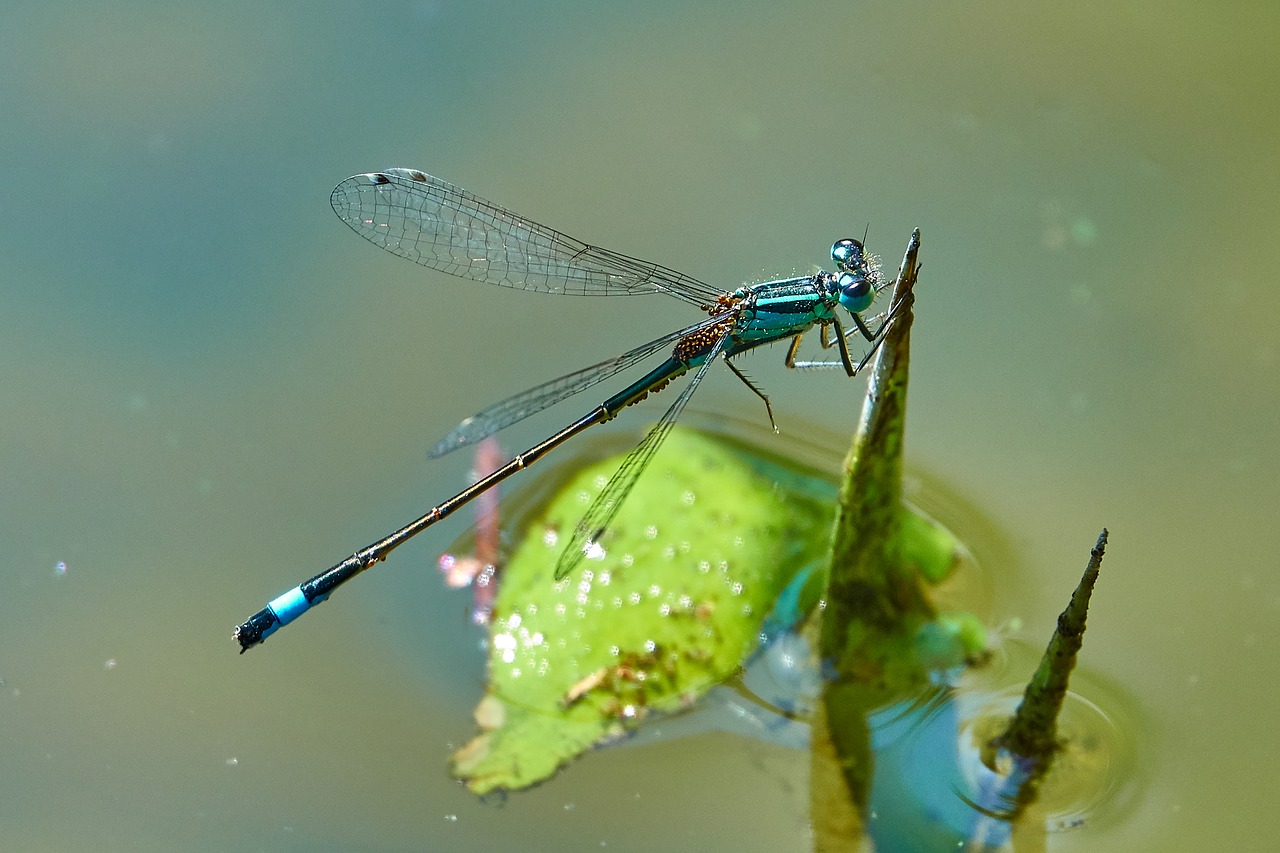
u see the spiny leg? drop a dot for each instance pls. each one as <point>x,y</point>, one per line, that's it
<point>845,359</point>
<point>866,333</point>
<point>841,338</point>
<point>884,327</point>
<point>790,360</point>
<point>861,327</point>
<point>746,381</point>
<point>839,341</point>
<point>884,317</point>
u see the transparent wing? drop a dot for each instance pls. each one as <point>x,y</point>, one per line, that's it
<point>433,223</point>
<point>611,497</point>
<point>516,408</point>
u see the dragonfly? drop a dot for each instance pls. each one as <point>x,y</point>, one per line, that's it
<point>438,225</point>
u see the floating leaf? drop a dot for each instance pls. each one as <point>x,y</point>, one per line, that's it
<point>673,605</point>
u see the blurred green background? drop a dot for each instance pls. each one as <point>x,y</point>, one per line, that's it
<point>210,389</point>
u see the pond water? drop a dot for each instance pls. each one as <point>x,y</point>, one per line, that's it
<point>212,389</point>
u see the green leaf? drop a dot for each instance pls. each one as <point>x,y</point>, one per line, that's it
<point>693,564</point>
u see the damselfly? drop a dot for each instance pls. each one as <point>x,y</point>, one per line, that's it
<point>438,225</point>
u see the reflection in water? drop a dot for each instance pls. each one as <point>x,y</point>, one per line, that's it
<point>1091,782</point>
<point>930,789</point>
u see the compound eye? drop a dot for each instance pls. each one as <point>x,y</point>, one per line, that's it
<point>856,292</point>
<point>847,253</point>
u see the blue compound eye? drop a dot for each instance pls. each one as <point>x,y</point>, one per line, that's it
<point>847,253</point>
<point>856,292</point>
